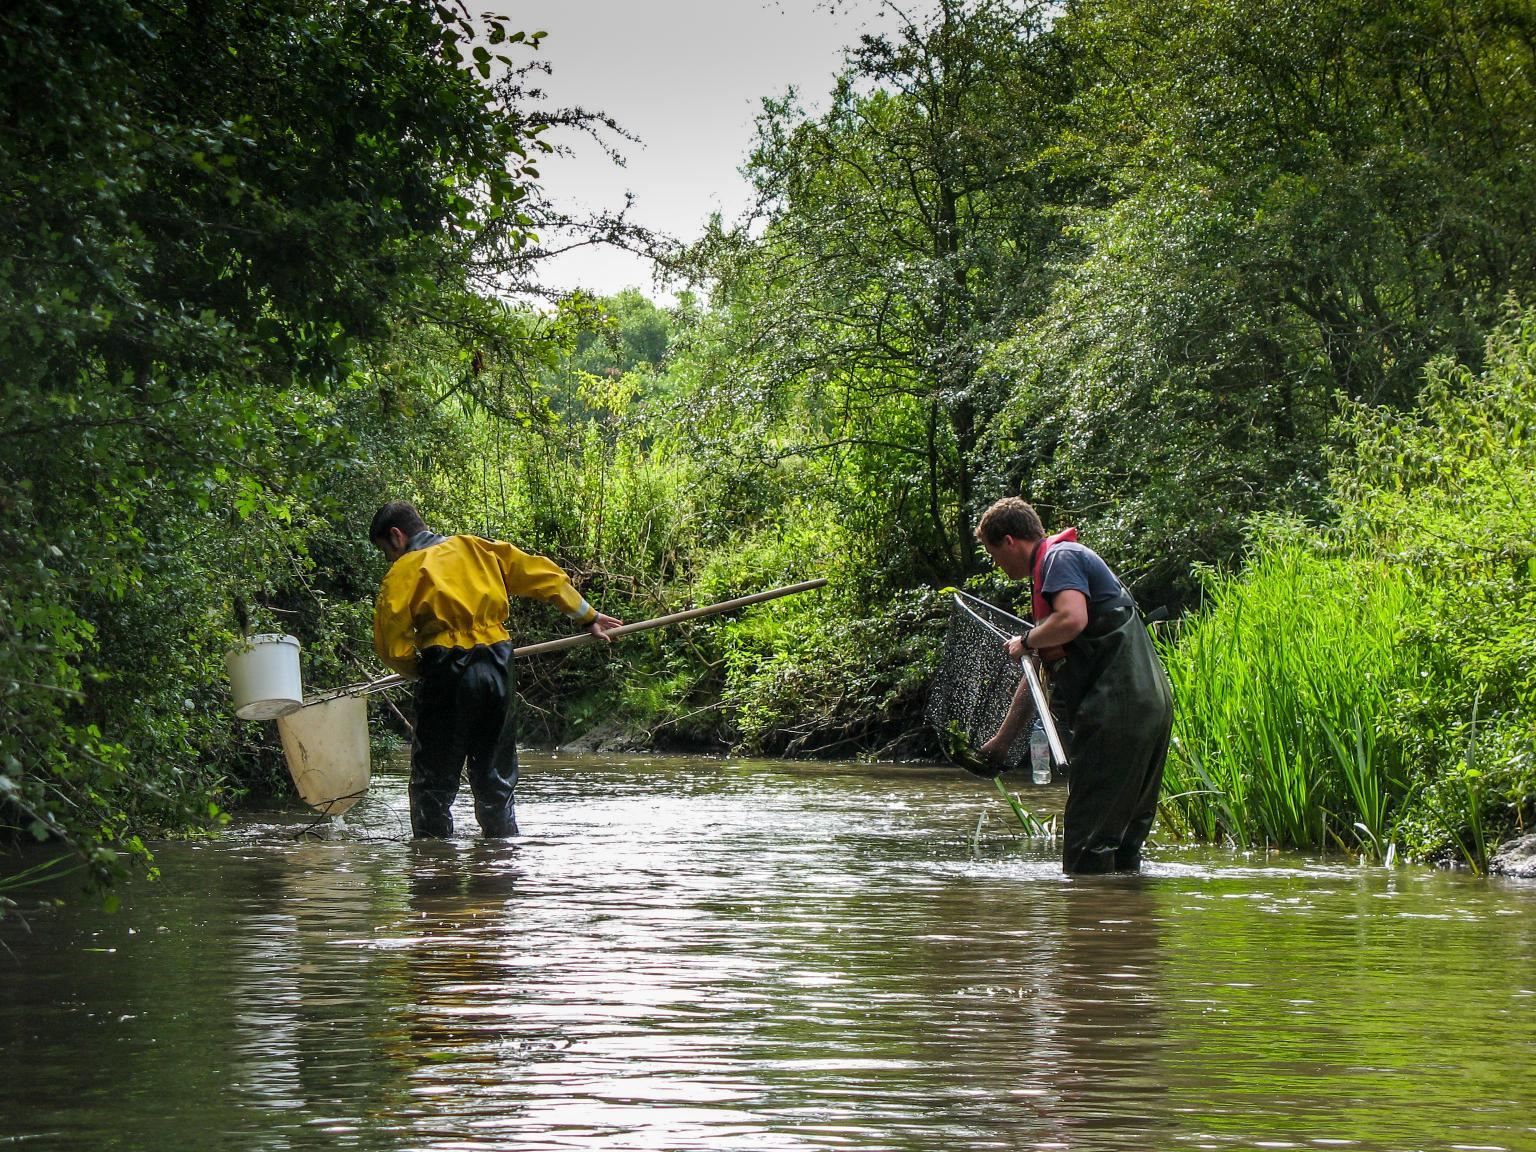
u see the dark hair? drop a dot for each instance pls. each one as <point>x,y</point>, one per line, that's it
<point>1010,516</point>
<point>399,515</point>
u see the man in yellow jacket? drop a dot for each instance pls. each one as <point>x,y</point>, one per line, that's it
<point>441,619</point>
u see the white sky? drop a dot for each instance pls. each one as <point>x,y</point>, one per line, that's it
<point>687,77</point>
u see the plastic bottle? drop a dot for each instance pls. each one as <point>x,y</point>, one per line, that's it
<point>1039,754</point>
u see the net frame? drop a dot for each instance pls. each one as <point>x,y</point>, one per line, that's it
<point>975,684</point>
<point>1039,693</point>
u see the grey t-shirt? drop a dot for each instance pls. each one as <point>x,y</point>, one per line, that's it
<point>1070,565</point>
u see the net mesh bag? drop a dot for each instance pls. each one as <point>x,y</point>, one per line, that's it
<point>974,685</point>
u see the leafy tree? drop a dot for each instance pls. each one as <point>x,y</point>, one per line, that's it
<point>208,210</point>
<point>1366,159</point>
<point>1288,203</point>
<point>904,229</point>
<point>1156,403</point>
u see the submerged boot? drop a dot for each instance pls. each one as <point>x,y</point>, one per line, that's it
<point>431,813</point>
<point>1096,861</point>
<point>498,823</point>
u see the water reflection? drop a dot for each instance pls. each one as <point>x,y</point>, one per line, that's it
<point>1107,1069</point>
<point>700,954</point>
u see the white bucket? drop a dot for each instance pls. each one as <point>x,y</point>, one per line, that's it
<point>264,676</point>
<point>326,745</point>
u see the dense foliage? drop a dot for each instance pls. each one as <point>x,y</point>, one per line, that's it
<point>1373,685</point>
<point>1213,281</point>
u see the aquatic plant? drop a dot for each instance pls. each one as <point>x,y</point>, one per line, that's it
<point>1033,827</point>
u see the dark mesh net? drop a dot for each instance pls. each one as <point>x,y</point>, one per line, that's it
<point>974,685</point>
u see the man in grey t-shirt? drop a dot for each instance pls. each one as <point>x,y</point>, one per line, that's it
<point>1107,685</point>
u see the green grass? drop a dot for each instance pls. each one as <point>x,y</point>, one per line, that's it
<point>1284,690</point>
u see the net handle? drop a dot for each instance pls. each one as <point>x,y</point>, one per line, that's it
<point>1031,673</point>
<point>394,680</point>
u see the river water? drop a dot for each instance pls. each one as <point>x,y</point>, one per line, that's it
<point>685,953</point>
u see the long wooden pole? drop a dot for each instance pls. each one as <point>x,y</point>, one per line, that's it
<point>395,679</point>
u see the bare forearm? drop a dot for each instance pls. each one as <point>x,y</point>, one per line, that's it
<point>1021,711</point>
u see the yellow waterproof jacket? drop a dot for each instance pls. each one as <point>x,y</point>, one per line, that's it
<point>455,594</point>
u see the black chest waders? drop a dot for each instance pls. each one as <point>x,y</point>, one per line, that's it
<point>1114,696</point>
<point>465,713</point>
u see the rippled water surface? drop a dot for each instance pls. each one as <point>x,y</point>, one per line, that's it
<point>683,954</point>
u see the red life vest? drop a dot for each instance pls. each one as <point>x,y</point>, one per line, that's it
<point>1037,604</point>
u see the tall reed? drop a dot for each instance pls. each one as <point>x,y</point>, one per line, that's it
<point>1284,688</point>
